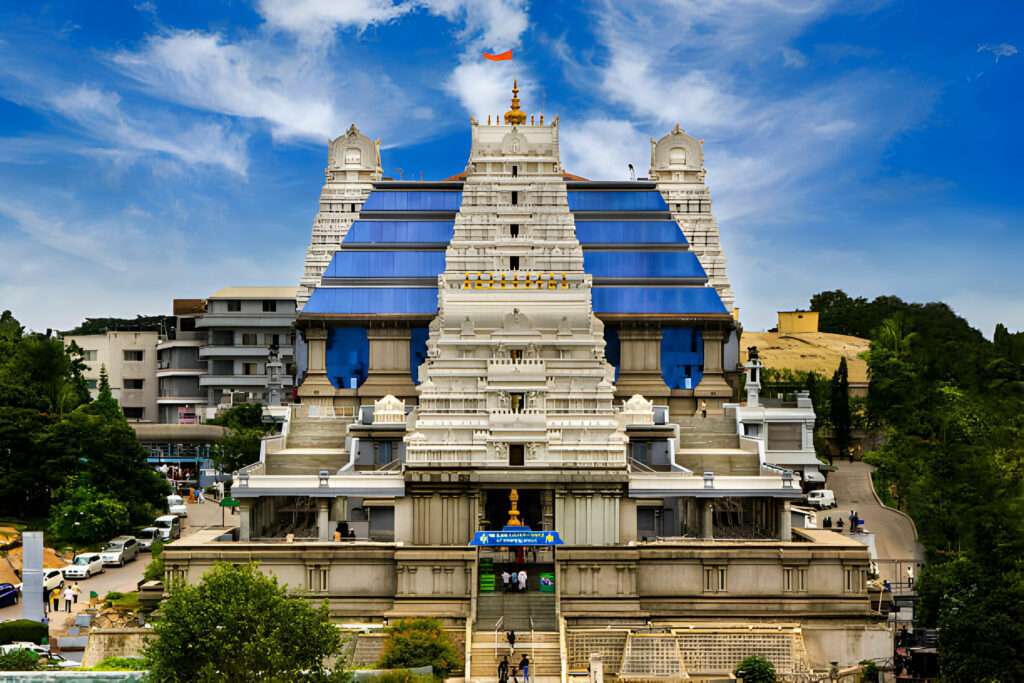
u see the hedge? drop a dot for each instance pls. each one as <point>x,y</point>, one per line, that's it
<point>22,630</point>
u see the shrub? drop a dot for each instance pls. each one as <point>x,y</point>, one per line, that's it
<point>419,642</point>
<point>22,630</point>
<point>155,568</point>
<point>120,664</point>
<point>401,676</point>
<point>114,595</point>
<point>756,669</point>
<point>19,660</point>
<point>868,671</point>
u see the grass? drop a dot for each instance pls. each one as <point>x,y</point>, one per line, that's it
<point>123,600</point>
<point>882,487</point>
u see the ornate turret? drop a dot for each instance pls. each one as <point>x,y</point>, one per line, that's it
<point>515,116</point>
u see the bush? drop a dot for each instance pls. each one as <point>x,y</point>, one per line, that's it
<point>120,664</point>
<point>419,642</point>
<point>19,660</point>
<point>401,676</point>
<point>155,568</point>
<point>756,669</point>
<point>868,671</point>
<point>114,595</point>
<point>22,630</point>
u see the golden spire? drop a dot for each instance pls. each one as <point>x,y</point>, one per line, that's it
<point>513,499</point>
<point>515,116</point>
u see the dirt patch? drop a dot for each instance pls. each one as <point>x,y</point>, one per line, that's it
<point>12,563</point>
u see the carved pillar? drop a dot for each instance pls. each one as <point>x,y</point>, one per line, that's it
<point>785,522</point>
<point>640,363</point>
<point>389,371</point>
<point>244,519</point>
<point>316,389</point>
<point>707,527</point>
<point>323,523</point>
<point>713,388</point>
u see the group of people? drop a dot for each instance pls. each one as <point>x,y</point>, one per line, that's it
<point>505,668</point>
<point>514,581</point>
<point>70,593</point>
<point>856,523</point>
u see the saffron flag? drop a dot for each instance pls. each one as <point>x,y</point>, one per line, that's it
<point>500,57</point>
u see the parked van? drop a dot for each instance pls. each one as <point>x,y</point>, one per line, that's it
<point>169,526</point>
<point>176,506</point>
<point>821,499</point>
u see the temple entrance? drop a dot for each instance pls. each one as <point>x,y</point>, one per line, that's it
<point>497,507</point>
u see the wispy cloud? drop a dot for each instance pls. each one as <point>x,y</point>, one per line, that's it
<point>998,50</point>
<point>317,21</point>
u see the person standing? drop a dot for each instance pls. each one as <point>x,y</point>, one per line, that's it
<point>910,576</point>
<point>55,598</point>
<point>505,585</point>
<point>511,638</point>
<point>503,669</point>
<point>69,598</point>
<point>524,666</point>
<point>703,408</point>
<point>522,580</point>
<point>75,590</point>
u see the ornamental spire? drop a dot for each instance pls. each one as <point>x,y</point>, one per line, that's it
<point>514,115</point>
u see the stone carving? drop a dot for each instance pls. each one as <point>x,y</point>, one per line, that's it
<point>389,410</point>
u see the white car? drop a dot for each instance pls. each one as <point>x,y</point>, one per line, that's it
<point>120,551</point>
<point>146,537</point>
<point>176,506</point>
<point>84,566</point>
<point>52,579</point>
<point>821,499</point>
<point>43,651</point>
<point>169,527</point>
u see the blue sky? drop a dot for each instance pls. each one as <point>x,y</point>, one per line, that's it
<point>151,151</point>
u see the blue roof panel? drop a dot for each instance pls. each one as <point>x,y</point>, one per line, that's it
<point>373,300</point>
<point>657,300</point>
<point>610,200</point>
<point>629,232</point>
<point>679,264</point>
<point>385,264</point>
<point>398,232</point>
<point>413,200</point>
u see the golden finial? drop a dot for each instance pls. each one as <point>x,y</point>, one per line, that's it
<point>514,115</point>
<point>542,119</point>
<point>513,512</point>
<point>488,119</point>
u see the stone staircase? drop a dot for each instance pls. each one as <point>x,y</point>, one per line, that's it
<point>710,444</point>
<point>517,609</point>
<point>541,648</point>
<point>305,461</point>
<point>315,432</point>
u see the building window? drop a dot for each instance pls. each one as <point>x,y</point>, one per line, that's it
<point>515,199</point>
<point>517,402</point>
<point>91,384</point>
<point>514,230</point>
<point>640,451</point>
<point>854,579</point>
<point>715,579</point>
<point>250,368</point>
<point>515,171</point>
<point>249,339</point>
<point>134,355</point>
<point>516,455</point>
<point>133,383</point>
<point>513,263</point>
<point>785,436</point>
<point>134,413</point>
<point>384,452</point>
<point>270,307</point>
<point>89,355</point>
<point>794,579</point>
<point>317,578</point>
<point>234,306</point>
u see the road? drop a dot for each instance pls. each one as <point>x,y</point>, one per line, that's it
<point>895,539</point>
<point>126,579</point>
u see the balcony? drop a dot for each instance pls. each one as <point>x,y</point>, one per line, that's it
<point>453,456</point>
<point>526,420</point>
<point>239,381</point>
<point>521,371</point>
<point>239,320</point>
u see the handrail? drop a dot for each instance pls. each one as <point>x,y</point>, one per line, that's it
<point>532,640</point>
<point>643,467</point>
<point>497,627</point>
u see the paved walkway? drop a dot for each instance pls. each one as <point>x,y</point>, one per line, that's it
<point>895,538</point>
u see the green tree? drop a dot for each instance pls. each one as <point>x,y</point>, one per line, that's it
<point>19,660</point>
<point>83,516</point>
<point>237,624</point>
<point>756,669</point>
<point>155,569</point>
<point>839,405</point>
<point>245,430</point>
<point>413,643</point>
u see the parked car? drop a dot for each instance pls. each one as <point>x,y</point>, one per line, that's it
<point>176,506</point>
<point>43,651</point>
<point>52,578</point>
<point>821,499</point>
<point>9,594</point>
<point>83,566</point>
<point>146,537</point>
<point>121,550</point>
<point>169,526</point>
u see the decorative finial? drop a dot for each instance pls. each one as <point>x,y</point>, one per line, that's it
<point>514,115</point>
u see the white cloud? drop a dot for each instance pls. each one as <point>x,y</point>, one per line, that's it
<point>488,24</point>
<point>601,149</point>
<point>793,58</point>
<point>318,20</point>
<point>998,50</point>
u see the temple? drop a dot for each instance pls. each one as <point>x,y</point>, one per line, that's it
<point>518,368</point>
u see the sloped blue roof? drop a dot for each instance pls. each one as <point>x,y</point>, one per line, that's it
<point>657,300</point>
<point>629,232</point>
<point>611,200</point>
<point>385,264</point>
<point>413,200</point>
<point>373,301</point>
<point>654,264</point>
<point>397,232</point>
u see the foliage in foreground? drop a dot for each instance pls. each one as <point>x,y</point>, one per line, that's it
<point>120,664</point>
<point>241,444</point>
<point>756,669</point>
<point>19,660</point>
<point>155,569</point>
<point>413,643</point>
<point>237,624</point>
<point>22,630</point>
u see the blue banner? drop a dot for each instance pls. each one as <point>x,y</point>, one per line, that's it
<point>515,538</point>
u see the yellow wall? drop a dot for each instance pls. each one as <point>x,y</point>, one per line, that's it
<point>798,322</point>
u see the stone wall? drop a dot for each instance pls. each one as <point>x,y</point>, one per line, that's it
<point>114,642</point>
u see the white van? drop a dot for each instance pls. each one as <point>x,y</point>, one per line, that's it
<point>821,499</point>
<point>176,506</point>
<point>169,527</point>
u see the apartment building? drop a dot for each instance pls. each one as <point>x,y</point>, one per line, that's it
<point>130,359</point>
